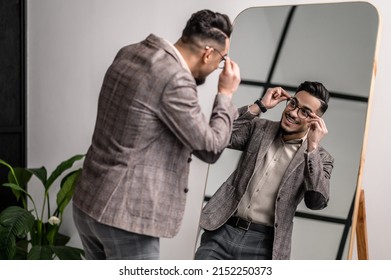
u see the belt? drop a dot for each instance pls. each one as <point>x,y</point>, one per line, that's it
<point>246,225</point>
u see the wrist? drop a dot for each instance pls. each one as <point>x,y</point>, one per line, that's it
<point>311,147</point>
<point>260,105</point>
<point>229,95</point>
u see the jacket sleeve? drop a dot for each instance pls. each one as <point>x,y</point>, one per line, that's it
<point>181,112</point>
<point>242,129</point>
<point>319,165</point>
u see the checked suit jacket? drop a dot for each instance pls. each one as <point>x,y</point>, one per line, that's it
<point>307,176</point>
<point>149,122</point>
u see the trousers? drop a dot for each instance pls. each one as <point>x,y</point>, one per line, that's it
<point>232,243</point>
<point>103,242</point>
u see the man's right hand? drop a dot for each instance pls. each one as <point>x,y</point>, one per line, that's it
<point>229,78</point>
<point>274,96</point>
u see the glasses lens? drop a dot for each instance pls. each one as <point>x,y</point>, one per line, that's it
<point>302,113</point>
<point>291,104</point>
<point>222,64</point>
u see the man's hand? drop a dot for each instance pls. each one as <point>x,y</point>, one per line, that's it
<point>317,130</point>
<point>229,78</point>
<point>274,96</point>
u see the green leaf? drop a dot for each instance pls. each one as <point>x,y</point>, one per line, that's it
<point>40,173</point>
<point>67,252</point>
<point>14,187</point>
<point>65,194</point>
<point>12,171</point>
<point>3,162</point>
<point>39,252</point>
<point>18,188</point>
<point>21,250</point>
<point>7,243</point>
<point>22,178</point>
<point>61,168</point>
<point>18,219</point>
<point>51,234</point>
<point>62,239</point>
<point>15,222</point>
<point>47,252</point>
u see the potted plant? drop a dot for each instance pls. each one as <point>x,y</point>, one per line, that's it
<point>26,232</point>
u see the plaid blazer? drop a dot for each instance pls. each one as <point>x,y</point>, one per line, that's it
<point>307,176</point>
<point>149,121</point>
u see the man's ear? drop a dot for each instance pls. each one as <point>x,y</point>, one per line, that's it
<point>206,56</point>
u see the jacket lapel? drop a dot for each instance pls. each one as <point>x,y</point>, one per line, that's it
<point>265,137</point>
<point>295,162</point>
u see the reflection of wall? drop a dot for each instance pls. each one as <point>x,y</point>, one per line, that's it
<point>271,49</point>
<point>70,44</point>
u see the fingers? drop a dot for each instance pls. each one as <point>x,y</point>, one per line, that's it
<point>314,116</point>
<point>231,66</point>
<point>275,95</point>
<point>318,123</point>
<point>229,78</point>
<point>280,93</point>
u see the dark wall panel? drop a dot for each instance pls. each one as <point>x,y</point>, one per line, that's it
<point>12,91</point>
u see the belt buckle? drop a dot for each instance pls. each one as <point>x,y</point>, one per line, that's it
<point>240,226</point>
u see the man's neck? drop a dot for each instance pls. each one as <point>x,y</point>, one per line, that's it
<point>293,136</point>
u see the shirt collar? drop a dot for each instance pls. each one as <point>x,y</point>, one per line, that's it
<point>181,59</point>
<point>295,141</point>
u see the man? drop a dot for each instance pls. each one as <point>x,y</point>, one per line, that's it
<point>133,187</point>
<point>251,214</point>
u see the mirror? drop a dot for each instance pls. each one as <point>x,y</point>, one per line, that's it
<point>284,46</point>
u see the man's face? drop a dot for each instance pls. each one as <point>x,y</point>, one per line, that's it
<point>296,116</point>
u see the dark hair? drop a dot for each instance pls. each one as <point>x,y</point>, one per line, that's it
<point>317,90</point>
<point>206,24</point>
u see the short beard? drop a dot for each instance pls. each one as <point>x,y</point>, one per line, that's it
<point>200,81</point>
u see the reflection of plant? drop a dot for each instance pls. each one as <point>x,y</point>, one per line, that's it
<point>26,234</point>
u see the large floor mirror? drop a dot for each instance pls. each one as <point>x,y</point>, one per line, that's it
<point>330,43</point>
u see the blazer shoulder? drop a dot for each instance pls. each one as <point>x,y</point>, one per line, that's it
<point>266,124</point>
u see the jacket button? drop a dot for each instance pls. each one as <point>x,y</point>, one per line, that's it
<point>275,225</point>
<point>189,159</point>
<point>278,198</point>
<point>186,190</point>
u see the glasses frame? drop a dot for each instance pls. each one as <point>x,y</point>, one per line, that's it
<point>223,57</point>
<point>300,109</point>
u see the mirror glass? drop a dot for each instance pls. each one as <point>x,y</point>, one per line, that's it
<point>284,46</point>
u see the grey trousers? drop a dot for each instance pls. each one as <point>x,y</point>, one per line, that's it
<point>231,243</point>
<point>103,242</point>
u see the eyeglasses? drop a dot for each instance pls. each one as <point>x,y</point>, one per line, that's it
<point>292,104</point>
<point>223,57</point>
<point>222,61</point>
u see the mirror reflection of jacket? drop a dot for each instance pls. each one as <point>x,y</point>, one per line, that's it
<point>307,176</point>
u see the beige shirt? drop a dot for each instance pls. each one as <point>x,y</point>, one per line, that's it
<point>258,203</point>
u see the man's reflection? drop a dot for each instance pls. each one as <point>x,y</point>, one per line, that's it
<point>251,214</point>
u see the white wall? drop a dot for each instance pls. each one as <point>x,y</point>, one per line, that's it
<point>72,42</point>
